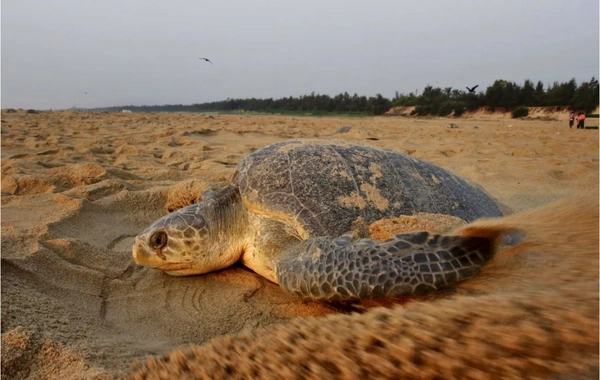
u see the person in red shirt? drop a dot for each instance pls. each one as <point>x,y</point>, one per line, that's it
<point>581,120</point>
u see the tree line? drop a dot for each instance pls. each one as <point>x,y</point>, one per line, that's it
<point>313,104</point>
<point>501,94</point>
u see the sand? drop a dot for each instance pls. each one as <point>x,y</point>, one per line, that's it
<point>77,187</point>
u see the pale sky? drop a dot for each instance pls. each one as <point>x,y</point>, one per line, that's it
<point>145,52</point>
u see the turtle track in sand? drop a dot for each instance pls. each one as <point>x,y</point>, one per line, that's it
<point>90,281</point>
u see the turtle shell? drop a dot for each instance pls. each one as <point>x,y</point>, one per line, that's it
<point>326,186</point>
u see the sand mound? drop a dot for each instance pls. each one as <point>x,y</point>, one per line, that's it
<point>185,193</point>
<point>550,113</point>
<point>541,319</point>
<point>400,111</point>
<point>26,355</point>
<point>77,188</point>
<point>25,184</point>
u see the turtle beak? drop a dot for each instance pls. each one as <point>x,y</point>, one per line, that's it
<point>136,252</point>
<point>142,255</point>
<point>146,256</point>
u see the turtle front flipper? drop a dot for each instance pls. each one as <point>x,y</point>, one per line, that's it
<point>327,268</point>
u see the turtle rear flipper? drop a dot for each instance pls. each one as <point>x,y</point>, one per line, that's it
<point>326,268</point>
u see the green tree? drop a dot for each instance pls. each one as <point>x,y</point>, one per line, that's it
<point>539,94</point>
<point>586,96</point>
<point>378,105</point>
<point>527,97</point>
<point>494,94</point>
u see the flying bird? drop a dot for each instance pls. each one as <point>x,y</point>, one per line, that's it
<point>206,59</point>
<point>472,90</point>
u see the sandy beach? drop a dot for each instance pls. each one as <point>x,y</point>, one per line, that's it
<point>77,188</point>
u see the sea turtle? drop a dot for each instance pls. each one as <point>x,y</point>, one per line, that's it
<point>292,213</point>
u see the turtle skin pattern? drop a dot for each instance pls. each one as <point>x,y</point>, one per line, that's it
<point>332,269</point>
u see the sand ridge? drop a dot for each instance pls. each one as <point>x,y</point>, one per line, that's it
<point>77,187</point>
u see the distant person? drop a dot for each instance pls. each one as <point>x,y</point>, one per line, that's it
<point>571,119</point>
<point>581,120</point>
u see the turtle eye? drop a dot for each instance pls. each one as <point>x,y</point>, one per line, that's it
<point>159,239</point>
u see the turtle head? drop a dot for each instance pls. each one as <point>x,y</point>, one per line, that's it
<point>192,240</point>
